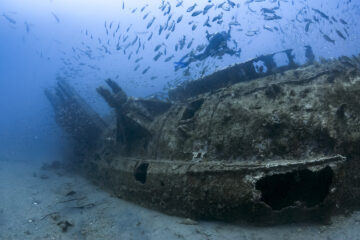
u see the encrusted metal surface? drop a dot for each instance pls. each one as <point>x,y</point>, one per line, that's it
<point>270,150</point>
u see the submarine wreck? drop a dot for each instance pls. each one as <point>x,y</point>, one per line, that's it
<point>262,146</point>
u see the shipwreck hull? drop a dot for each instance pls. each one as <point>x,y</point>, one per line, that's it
<point>266,148</point>
<point>260,193</point>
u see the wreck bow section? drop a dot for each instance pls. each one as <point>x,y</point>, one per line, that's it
<point>265,147</point>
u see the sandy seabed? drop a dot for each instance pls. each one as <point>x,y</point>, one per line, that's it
<point>38,204</point>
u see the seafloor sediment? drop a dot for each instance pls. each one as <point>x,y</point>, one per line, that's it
<point>284,147</point>
<point>35,206</point>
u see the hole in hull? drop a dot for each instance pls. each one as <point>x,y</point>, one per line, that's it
<point>141,172</point>
<point>298,187</point>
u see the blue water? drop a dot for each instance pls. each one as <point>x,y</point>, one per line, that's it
<point>86,42</point>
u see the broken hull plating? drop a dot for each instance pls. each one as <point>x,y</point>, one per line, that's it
<point>239,191</point>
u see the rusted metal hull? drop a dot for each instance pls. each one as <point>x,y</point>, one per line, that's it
<point>227,191</point>
<point>270,150</point>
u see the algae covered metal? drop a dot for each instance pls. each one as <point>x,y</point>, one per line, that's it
<point>273,146</point>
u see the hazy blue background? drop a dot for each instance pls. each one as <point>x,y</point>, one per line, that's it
<point>37,49</point>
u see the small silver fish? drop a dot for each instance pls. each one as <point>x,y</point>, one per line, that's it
<point>9,19</point>
<point>145,70</point>
<point>157,56</point>
<point>143,8</point>
<point>179,4</point>
<point>150,23</point>
<point>169,58</point>
<point>179,19</point>
<point>340,34</point>
<point>207,8</point>
<point>191,8</point>
<point>232,4</point>
<point>151,34</point>
<point>343,21</point>
<point>161,29</point>
<point>146,15</point>
<point>157,47</point>
<point>196,13</point>
<point>190,43</point>
<point>327,38</point>
<point>56,17</point>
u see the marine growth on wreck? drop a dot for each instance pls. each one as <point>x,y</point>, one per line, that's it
<point>273,146</point>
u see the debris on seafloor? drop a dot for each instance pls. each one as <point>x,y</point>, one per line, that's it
<point>188,221</point>
<point>64,225</point>
<point>54,216</point>
<point>78,199</point>
<point>273,146</point>
<point>72,199</point>
<point>84,206</point>
<point>70,193</point>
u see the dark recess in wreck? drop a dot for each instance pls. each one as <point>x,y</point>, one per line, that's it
<point>141,172</point>
<point>297,187</point>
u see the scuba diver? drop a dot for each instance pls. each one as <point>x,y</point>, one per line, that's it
<point>217,47</point>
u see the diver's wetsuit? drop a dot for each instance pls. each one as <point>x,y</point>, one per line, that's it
<point>217,47</point>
